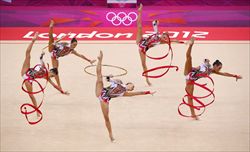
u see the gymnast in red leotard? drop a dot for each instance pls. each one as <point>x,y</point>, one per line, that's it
<point>116,89</point>
<point>39,71</point>
<point>58,50</point>
<point>195,73</point>
<point>145,43</point>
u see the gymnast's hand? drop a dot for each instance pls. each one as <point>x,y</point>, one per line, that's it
<point>111,76</point>
<point>43,53</point>
<point>238,77</point>
<point>92,61</point>
<point>66,93</point>
<point>152,93</point>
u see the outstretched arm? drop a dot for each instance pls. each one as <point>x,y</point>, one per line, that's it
<point>172,40</point>
<point>137,93</point>
<point>229,75</point>
<point>176,41</point>
<point>83,57</point>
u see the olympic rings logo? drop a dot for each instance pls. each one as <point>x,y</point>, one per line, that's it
<point>121,18</point>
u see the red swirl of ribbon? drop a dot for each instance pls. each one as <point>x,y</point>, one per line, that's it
<point>202,106</point>
<point>167,67</point>
<point>24,106</point>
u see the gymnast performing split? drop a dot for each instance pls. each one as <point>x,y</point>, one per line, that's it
<point>195,73</point>
<point>145,43</point>
<point>116,89</point>
<point>61,49</point>
<point>39,71</point>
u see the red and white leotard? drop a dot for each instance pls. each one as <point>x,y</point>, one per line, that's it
<point>60,50</point>
<point>116,89</point>
<point>151,41</point>
<point>33,73</point>
<point>197,73</point>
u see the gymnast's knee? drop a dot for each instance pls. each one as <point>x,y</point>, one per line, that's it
<point>188,58</point>
<point>99,81</point>
<point>106,118</point>
<point>144,66</point>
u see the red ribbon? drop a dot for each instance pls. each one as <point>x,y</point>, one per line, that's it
<point>202,106</point>
<point>24,106</point>
<point>167,67</point>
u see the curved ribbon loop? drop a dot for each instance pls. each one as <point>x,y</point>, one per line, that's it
<point>201,105</point>
<point>24,106</point>
<point>167,67</point>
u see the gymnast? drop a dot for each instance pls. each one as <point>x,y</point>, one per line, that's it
<point>195,73</point>
<point>116,89</point>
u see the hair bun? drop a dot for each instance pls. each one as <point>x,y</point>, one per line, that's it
<point>73,40</point>
<point>217,62</point>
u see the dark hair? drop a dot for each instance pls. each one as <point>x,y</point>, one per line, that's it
<point>54,70</point>
<point>73,40</point>
<point>132,84</point>
<point>129,83</point>
<point>217,63</point>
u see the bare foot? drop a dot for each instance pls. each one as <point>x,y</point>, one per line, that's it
<point>51,23</point>
<point>155,23</point>
<point>191,41</point>
<point>112,139</point>
<point>35,36</point>
<point>195,117</point>
<point>140,7</point>
<point>100,56</point>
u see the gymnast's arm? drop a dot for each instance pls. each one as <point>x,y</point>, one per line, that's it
<point>58,88</point>
<point>176,41</point>
<point>172,40</point>
<point>137,93</point>
<point>83,57</point>
<point>228,75</point>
